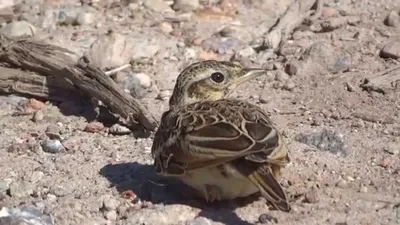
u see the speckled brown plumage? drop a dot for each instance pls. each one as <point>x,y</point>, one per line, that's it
<point>224,148</point>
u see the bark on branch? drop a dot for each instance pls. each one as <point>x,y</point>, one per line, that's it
<point>47,71</point>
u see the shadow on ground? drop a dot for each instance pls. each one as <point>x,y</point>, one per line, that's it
<point>148,186</point>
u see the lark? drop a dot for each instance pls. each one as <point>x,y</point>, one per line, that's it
<point>224,148</point>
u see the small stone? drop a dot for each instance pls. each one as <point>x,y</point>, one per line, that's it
<point>329,12</point>
<point>392,19</point>
<point>164,95</point>
<point>4,186</point>
<point>35,104</point>
<point>391,50</point>
<point>38,116</point>
<point>186,5</point>
<point>53,132</point>
<point>157,6</point>
<point>265,219</point>
<point>59,190</point>
<point>111,215</point>
<point>311,196</point>
<point>325,139</point>
<point>18,29</point>
<point>166,27</point>
<point>204,55</point>
<point>119,129</point>
<point>245,53</point>
<point>85,18</point>
<point>190,53</point>
<point>110,203</point>
<point>281,76</point>
<point>341,184</point>
<point>292,68</point>
<point>21,189</point>
<point>143,79</point>
<point>385,163</point>
<point>197,41</point>
<point>199,221</point>
<point>363,189</point>
<point>36,176</point>
<point>94,127</point>
<point>52,146</point>
<point>289,85</point>
<point>51,198</point>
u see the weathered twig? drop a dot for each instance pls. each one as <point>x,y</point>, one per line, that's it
<point>294,16</point>
<point>52,61</point>
<point>383,82</point>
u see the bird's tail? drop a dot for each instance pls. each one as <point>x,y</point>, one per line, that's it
<point>264,179</point>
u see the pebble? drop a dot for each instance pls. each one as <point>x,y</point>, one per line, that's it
<point>363,189</point>
<point>281,76</point>
<point>94,127</point>
<point>21,189</point>
<point>52,146</point>
<point>51,198</point>
<point>164,95</point>
<point>59,190</point>
<point>53,132</point>
<point>385,163</point>
<point>245,53</point>
<point>35,104</point>
<point>85,18</point>
<point>265,219</point>
<point>110,203</point>
<point>185,5</point>
<point>341,184</point>
<point>119,129</point>
<point>391,50</point>
<point>18,29</point>
<point>36,176</point>
<point>190,53</point>
<point>311,196</point>
<point>325,139</point>
<point>111,215</point>
<point>393,19</point>
<point>143,80</point>
<point>166,27</point>
<point>38,116</point>
<point>157,6</point>
<point>289,85</point>
<point>206,55</point>
<point>292,68</point>
<point>4,186</point>
<point>199,221</point>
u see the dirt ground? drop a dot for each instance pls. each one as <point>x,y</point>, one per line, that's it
<point>344,139</point>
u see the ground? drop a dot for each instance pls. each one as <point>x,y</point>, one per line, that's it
<point>343,140</point>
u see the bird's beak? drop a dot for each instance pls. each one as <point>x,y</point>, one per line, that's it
<point>248,74</point>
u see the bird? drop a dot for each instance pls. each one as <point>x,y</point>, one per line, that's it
<point>224,148</point>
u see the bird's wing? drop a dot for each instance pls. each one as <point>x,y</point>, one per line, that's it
<point>212,133</point>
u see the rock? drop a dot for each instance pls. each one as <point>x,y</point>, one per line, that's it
<point>392,19</point>
<point>281,76</point>
<point>94,127</point>
<point>4,186</point>
<point>158,6</point>
<point>53,132</point>
<point>38,116</point>
<point>341,184</point>
<point>164,95</point>
<point>110,203</point>
<point>118,129</point>
<point>292,68</point>
<point>385,163</point>
<point>363,189</point>
<point>190,53</point>
<point>199,221</point>
<point>266,219</point>
<point>111,215</point>
<point>311,196</point>
<point>59,191</point>
<point>21,189</point>
<point>245,53</point>
<point>324,139</point>
<point>391,50</point>
<point>329,12</point>
<point>23,215</point>
<point>52,146</point>
<point>143,79</point>
<point>222,45</point>
<point>166,27</point>
<point>36,176</point>
<point>85,18</point>
<point>289,85</point>
<point>185,5</point>
<point>18,29</point>
<point>114,50</point>
<point>35,104</point>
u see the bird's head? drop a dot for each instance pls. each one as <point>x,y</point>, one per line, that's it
<point>209,80</point>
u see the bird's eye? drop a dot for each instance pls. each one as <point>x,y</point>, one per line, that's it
<point>217,77</point>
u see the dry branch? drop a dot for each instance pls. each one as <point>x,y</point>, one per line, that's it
<point>294,16</point>
<point>61,73</point>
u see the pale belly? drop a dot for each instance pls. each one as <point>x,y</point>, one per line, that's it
<point>225,185</point>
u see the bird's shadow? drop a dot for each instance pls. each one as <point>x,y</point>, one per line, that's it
<point>148,186</point>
